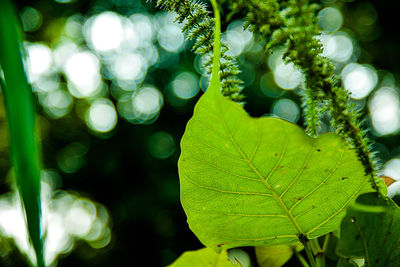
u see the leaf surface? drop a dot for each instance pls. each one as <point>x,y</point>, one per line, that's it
<point>372,235</point>
<point>261,181</point>
<point>204,257</point>
<point>275,256</point>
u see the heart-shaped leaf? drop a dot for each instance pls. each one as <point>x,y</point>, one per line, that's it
<point>261,181</point>
<point>372,235</point>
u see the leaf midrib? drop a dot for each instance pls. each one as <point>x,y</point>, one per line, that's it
<point>267,185</point>
<point>282,205</point>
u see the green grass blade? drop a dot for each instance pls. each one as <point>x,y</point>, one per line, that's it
<point>21,120</point>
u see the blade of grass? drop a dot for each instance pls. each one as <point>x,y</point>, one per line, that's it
<point>21,120</point>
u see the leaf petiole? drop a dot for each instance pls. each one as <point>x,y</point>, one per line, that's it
<point>307,248</point>
<point>301,258</point>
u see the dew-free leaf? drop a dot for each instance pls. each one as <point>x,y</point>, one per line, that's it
<point>205,257</point>
<point>275,256</point>
<point>261,181</point>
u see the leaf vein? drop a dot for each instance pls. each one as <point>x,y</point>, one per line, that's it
<point>241,214</point>
<point>263,238</point>
<point>300,172</point>
<point>259,138</point>
<point>214,147</point>
<point>339,210</point>
<point>320,184</point>
<point>268,186</point>
<point>226,171</point>
<point>227,191</point>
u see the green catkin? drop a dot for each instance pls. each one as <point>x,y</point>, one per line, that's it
<point>293,23</point>
<point>199,25</point>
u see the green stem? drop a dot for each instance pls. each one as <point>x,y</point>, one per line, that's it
<point>319,253</point>
<point>21,123</point>
<point>215,82</point>
<point>326,243</point>
<point>309,253</point>
<point>315,246</point>
<point>301,259</point>
<point>320,260</point>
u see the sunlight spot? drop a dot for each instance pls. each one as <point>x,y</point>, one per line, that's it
<point>83,72</point>
<point>66,219</point>
<point>337,46</point>
<point>287,76</point>
<point>170,37</point>
<point>143,26</point>
<point>105,31</point>
<point>237,38</point>
<point>392,169</point>
<point>39,60</point>
<point>385,111</point>
<point>57,104</point>
<point>393,189</point>
<point>129,67</point>
<point>330,19</point>
<point>86,212</point>
<point>101,116</point>
<point>286,109</point>
<point>142,106</point>
<point>46,83</point>
<point>185,85</point>
<point>359,80</point>
<point>131,40</point>
<point>62,51</point>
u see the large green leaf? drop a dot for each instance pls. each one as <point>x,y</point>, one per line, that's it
<point>204,257</point>
<point>261,181</point>
<point>372,235</point>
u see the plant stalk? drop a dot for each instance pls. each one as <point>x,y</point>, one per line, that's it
<point>215,82</point>
<point>301,259</point>
<point>307,248</point>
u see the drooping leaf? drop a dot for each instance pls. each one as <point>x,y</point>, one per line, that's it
<point>21,121</point>
<point>372,235</point>
<point>261,181</point>
<point>204,257</point>
<point>275,256</point>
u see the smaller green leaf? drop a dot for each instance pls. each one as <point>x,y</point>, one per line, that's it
<point>205,257</point>
<point>372,235</point>
<point>275,256</point>
<point>239,257</point>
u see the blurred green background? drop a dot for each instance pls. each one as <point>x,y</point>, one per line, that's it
<point>116,83</point>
